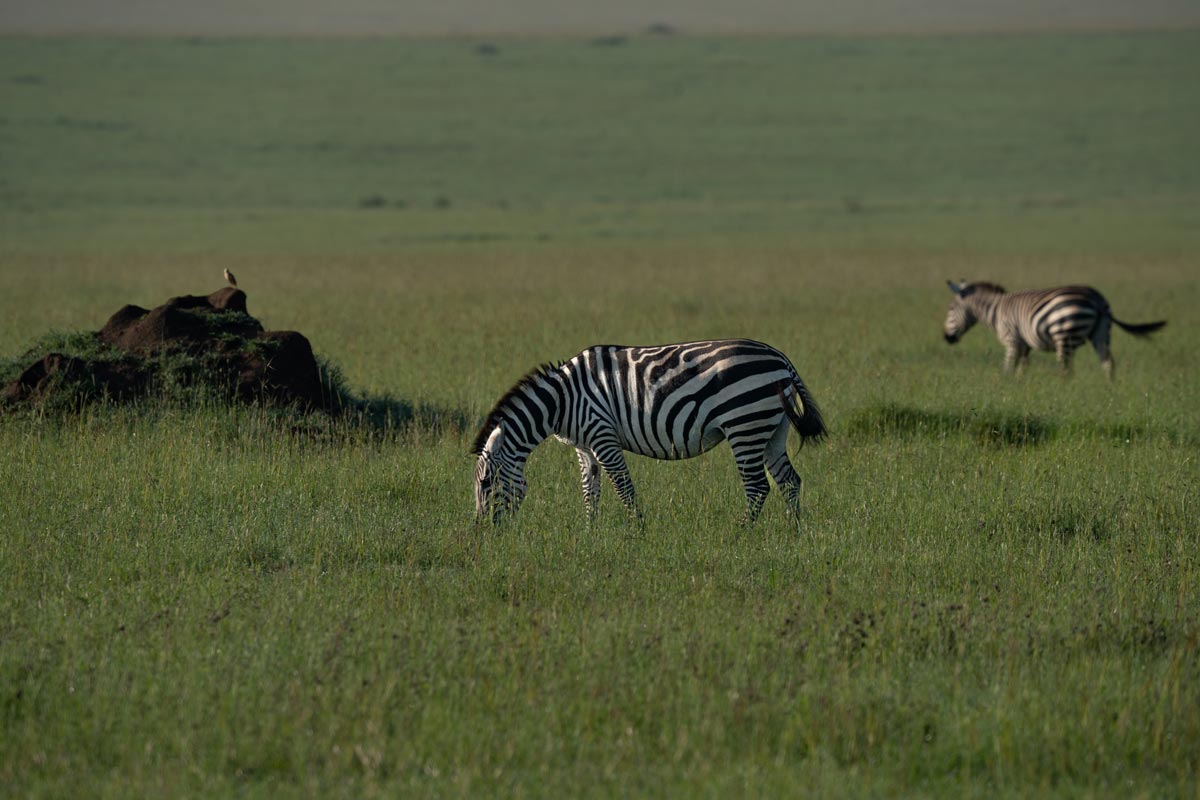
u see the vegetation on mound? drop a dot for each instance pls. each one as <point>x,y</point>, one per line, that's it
<point>192,378</point>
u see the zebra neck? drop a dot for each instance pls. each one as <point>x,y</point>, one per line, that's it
<point>535,412</point>
<point>985,307</point>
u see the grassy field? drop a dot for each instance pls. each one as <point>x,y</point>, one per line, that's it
<point>995,590</point>
<point>550,17</point>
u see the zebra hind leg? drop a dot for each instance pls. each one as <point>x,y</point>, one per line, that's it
<point>1100,339</point>
<point>750,468</point>
<point>1106,360</point>
<point>781,470</point>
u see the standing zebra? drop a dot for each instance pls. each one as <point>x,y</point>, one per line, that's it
<point>1059,319</point>
<point>671,401</point>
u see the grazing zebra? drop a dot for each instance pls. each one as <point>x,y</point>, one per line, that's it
<point>671,401</point>
<point>1059,319</point>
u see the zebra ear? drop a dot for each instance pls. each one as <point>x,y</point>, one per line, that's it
<point>957,288</point>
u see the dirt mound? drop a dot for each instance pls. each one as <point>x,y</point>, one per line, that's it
<point>181,322</point>
<point>189,344</point>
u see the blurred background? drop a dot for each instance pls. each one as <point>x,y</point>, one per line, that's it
<point>440,17</point>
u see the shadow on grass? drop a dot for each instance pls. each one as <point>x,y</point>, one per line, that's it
<point>999,428</point>
<point>1070,521</point>
<point>988,427</point>
<point>386,412</point>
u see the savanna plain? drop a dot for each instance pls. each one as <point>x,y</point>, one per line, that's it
<point>994,589</point>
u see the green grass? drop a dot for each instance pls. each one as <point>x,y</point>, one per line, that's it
<point>994,588</point>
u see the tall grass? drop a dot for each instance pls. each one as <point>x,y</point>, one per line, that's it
<point>204,603</point>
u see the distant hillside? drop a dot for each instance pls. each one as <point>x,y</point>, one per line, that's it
<point>487,17</point>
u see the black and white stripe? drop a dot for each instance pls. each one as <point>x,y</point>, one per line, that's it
<point>1058,319</point>
<point>667,402</point>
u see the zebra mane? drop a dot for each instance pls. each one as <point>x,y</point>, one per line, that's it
<point>494,416</point>
<point>984,286</point>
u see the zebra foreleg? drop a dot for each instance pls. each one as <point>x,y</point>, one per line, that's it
<point>589,470</point>
<point>1016,356</point>
<point>1022,357</point>
<point>612,461</point>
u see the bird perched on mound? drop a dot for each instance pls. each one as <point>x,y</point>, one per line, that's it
<point>229,277</point>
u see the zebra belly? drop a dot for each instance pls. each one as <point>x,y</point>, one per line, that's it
<point>687,442</point>
<point>672,449</point>
<point>711,439</point>
<point>1039,341</point>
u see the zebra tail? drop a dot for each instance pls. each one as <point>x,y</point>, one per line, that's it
<point>1144,329</point>
<point>809,425</point>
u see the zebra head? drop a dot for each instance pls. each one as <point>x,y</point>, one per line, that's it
<point>499,485</point>
<point>960,316</point>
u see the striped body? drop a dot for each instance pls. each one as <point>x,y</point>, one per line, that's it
<point>1060,319</point>
<point>666,402</point>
